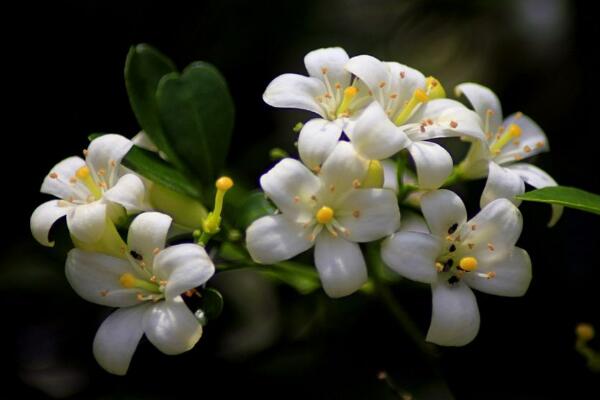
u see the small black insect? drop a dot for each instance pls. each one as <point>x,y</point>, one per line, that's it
<point>448,264</point>
<point>452,248</point>
<point>453,280</point>
<point>453,228</point>
<point>136,255</point>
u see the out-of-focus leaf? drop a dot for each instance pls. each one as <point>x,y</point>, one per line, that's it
<point>211,303</point>
<point>151,166</point>
<point>255,206</point>
<point>565,196</point>
<point>144,68</point>
<point>196,112</point>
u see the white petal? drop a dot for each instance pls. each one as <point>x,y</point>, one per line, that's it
<point>412,255</point>
<point>403,81</point>
<point>95,277</point>
<point>60,186</point>
<point>513,275</point>
<point>369,70</point>
<point>448,118</point>
<point>42,219</point>
<point>143,140</point>
<point>390,175</point>
<point>184,266</point>
<point>332,60</point>
<point>433,163</point>
<point>501,183</point>
<point>498,227</point>
<point>442,209</point>
<point>106,152</point>
<point>147,233</point>
<point>342,168</point>
<point>87,221</point>
<point>341,265</point>
<point>317,140</point>
<point>475,164</point>
<point>275,238</point>
<point>413,222</point>
<point>482,99</point>
<point>118,337</point>
<point>290,185</point>
<point>532,141</point>
<point>538,178</point>
<point>376,137</point>
<point>295,91</point>
<point>130,192</point>
<point>171,326</point>
<point>455,316</point>
<point>369,214</point>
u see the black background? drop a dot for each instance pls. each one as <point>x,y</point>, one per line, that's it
<point>64,76</point>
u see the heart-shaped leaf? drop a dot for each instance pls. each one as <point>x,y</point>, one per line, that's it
<point>196,112</point>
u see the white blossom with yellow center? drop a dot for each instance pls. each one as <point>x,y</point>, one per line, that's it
<point>506,143</point>
<point>409,109</point>
<point>455,255</point>
<point>333,211</point>
<point>145,285</point>
<point>89,190</point>
<point>329,91</point>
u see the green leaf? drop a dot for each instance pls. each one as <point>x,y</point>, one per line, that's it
<point>144,68</point>
<point>151,166</point>
<point>255,206</point>
<point>565,196</point>
<point>197,114</point>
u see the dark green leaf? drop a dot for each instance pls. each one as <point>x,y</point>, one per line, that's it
<point>255,206</point>
<point>144,68</point>
<point>565,196</point>
<point>151,166</point>
<point>196,111</point>
<point>211,303</point>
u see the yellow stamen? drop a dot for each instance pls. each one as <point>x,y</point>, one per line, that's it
<point>435,90</point>
<point>513,132</point>
<point>349,94</point>
<point>324,215</point>
<point>83,174</point>
<point>468,264</point>
<point>128,281</point>
<point>374,178</point>
<point>419,96</point>
<point>224,183</point>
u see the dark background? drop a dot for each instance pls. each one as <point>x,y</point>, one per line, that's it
<point>65,80</point>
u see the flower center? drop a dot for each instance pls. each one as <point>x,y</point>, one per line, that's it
<point>434,90</point>
<point>129,281</point>
<point>324,215</point>
<point>505,137</point>
<point>83,175</point>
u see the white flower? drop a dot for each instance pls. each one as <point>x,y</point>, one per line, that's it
<point>459,255</point>
<point>146,286</point>
<point>409,109</point>
<point>328,91</point>
<point>330,211</point>
<point>89,190</point>
<point>506,142</point>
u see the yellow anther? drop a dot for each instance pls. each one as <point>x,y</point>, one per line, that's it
<point>514,130</point>
<point>468,264</point>
<point>349,94</point>
<point>224,183</point>
<point>83,172</point>
<point>128,281</point>
<point>324,215</point>
<point>374,178</point>
<point>585,332</point>
<point>435,90</point>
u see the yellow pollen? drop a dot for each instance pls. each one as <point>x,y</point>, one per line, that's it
<point>127,280</point>
<point>83,172</point>
<point>514,130</point>
<point>324,215</point>
<point>468,264</point>
<point>224,183</point>
<point>350,91</point>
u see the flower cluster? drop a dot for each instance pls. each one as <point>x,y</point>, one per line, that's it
<point>376,121</point>
<point>347,189</point>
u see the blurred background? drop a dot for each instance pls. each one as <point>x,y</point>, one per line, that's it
<point>65,76</point>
